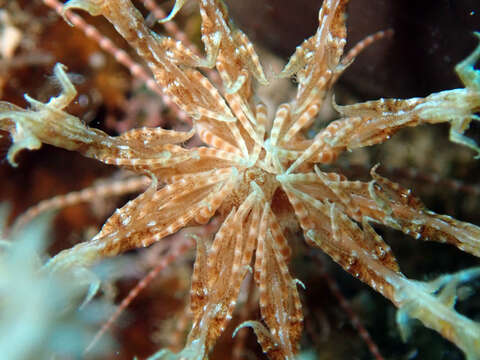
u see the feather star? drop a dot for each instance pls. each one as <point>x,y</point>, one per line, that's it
<point>258,173</point>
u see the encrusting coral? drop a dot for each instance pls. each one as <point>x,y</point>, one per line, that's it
<point>262,177</point>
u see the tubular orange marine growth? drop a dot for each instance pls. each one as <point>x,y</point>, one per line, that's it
<point>262,176</point>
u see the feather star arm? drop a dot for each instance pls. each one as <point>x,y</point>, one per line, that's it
<point>374,122</point>
<point>49,123</point>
